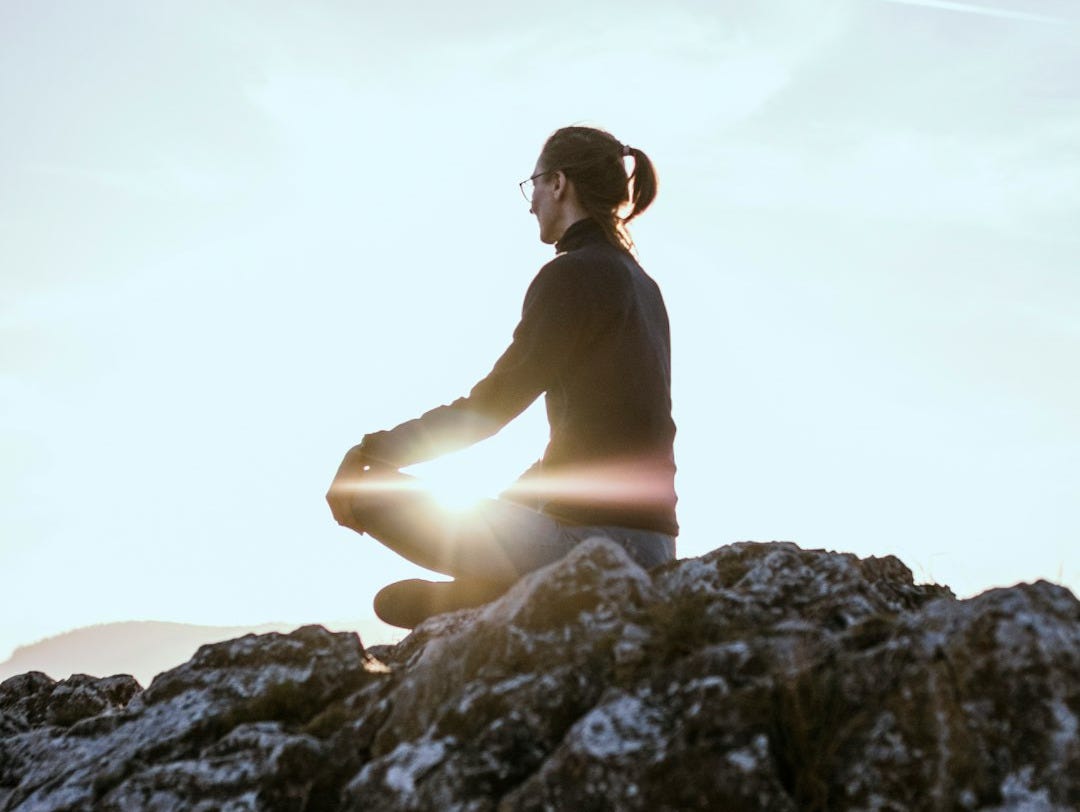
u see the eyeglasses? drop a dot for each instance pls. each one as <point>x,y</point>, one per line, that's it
<point>527,185</point>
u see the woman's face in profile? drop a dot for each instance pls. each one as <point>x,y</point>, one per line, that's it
<point>537,177</point>
<point>543,204</point>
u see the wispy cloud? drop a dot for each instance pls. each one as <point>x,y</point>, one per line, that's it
<point>988,11</point>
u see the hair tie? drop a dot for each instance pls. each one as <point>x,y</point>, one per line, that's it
<point>626,151</point>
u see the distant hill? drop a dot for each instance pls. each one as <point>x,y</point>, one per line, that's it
<point>145,648</point>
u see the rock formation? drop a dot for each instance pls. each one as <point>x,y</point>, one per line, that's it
<point>757,677</point>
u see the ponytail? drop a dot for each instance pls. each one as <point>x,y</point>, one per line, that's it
<point>643,183</point>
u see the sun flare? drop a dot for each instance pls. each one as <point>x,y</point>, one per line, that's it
<point>454,493</point>
<point>461,481</point>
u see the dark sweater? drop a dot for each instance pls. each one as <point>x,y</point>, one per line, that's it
<point>594,337</point>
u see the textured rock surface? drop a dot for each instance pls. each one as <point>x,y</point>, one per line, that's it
<point>759,676</point>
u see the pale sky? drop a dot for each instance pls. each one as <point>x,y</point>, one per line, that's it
<point>236,237</point>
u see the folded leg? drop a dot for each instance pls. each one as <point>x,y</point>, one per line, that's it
<point>408,603</point>
<point>497,541</point>
<point>485,549</point>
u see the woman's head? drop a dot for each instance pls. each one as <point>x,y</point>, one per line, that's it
<point>593,161</point>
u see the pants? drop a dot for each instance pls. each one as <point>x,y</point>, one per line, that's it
<point>496,542</point>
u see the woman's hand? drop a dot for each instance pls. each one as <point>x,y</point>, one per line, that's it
<point>342,489</point>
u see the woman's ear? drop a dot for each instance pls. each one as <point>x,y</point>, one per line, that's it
<point>559,184</point>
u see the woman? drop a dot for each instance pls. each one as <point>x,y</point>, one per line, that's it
<point>594,339</point>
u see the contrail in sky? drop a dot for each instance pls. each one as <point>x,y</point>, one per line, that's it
<point>988,11</point>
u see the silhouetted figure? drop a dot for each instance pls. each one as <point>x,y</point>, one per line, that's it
<point>594,339</point>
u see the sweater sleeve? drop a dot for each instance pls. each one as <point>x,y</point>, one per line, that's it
<point>553,322</point>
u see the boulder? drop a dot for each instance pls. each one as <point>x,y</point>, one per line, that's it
<point>757,677</point>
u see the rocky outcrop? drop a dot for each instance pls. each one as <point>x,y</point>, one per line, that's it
<point>757,677</point>
<point>145,648</point>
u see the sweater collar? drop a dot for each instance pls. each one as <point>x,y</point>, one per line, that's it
<point>580,234</point>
